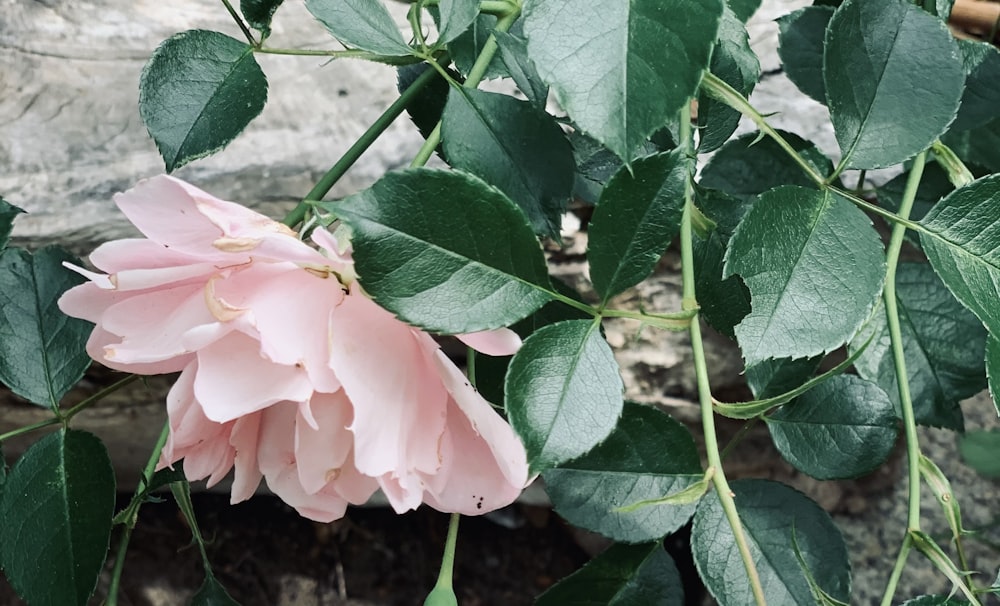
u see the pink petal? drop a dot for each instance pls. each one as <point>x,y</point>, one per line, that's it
<point>138,253</point>
<point>498,342</point>
<point>101,341</point>
<point>244,440</point>
<point>399,404</point>
<point>235,380</point>
<point>321,452</point>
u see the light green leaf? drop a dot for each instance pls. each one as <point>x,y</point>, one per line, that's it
<point>621,70</point>
<point>993,369</point>
<point>981,451</point>
<point>42,351</point>
<point>801,308</point>
<point>362,24</point>
<point>941,488</point>
<point>981,98</point>
<point>748,165</point>
<point>963,245</point>
<point>455,18</point>
<point>943,345</point>
<point>882,59</point>
<point>647,456</point>
<point>57,507</point>
<point>637,217</point>
<point>197,92</point>
<point>8,212</point>
<point>624,575</point>
<point>516,147</point>
<point>514,53</point>
<point>735,63</point>
<point>771,513</point>
<point>445,251</point>
<point>800,37</point>
<point>258,14</point>
<point>842,428</point>
<point>563,392</point>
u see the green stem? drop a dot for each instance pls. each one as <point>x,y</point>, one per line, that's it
<point>718,89</point>
<point>897,571</point>
<point>443,594</point>
<point>674,321</point>
<point>476,75</point>
<point>359,147</point>
<point>71,412</point>
<point>722,488</point>
<point>239,21</point>
<point>340,54</point>
<point>133,514</point>
<point>861,183</point>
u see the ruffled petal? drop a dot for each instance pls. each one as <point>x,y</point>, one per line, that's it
<point>321,452</point>
<point>499,342</point>
<point>244,440</point>
<point>138,253</point>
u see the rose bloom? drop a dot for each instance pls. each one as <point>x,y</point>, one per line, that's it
<point>289,372</point>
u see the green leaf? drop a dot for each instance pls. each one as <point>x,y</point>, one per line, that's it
<point>926,545</point>
<point>563,392</point>
<point>943,345</point>
<point>843,428</point>
<point>445,251</point>
<point>595,165</point>
<point>773,377</point>
<point>743,9</point>
<point>734,62</point>
<point>8,212</point>
<point>197,92</point>
<point>981,451</point>
<point>934,185</point>
<point>621,70</point>
<point>57,507</point>
<point>941,488</point>
<point>212,593</point>
<point>773,516</point>
<point>637,217</point>
<point>455,18</point>
<point>465,49</point>
<point>978,146</point>
<point>516,147</point>
<point>427,107</point>
<point>981,98</point>
<point>748,165</point>
<point>882,59</point>
<point>962,242</point>
<point>259,13</point>
<point>514,53</point>
<point>801,308</point>
<point>993,369</point>
<point>724,301</point>
<point>800,37</point>
<point>624,575</point>
<point>362,24</point>
<point>42,350</point>
<point>647,456</point>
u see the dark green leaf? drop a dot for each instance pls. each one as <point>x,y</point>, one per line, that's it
<point>775,377</point>
<point>563,392</point>
<point>465,49</point>
<point>595,165</point>
<point>648,455</point>
<point>8,212</point>
<point>744,9</point>
<point>57,507</point>
<point>744,169</point>
<point>943,344</point>
<point>42,351</point>
<point>981,98</point>
<point>993,369</point>
<point>455,17</point>
<point>427,107</point>
<point>724,302</point>
<point>445,251</point>
<point>735,63</point>
<point>197,92</point>
<point>622,70</point>
<point>934,185</point>
<point>963,245</point>
<point>514,53</point>
<point>981,451</point>
<point>638,215</point>
<point>843,428</point>
<point>979,146</point>
<point>624,575</point>
<point>212,593</point>
<point>258,14</point>
<point>801,308</point>
<point>882,59</point>
<point>775,517</point>
<point>800,35</point>
<point>516,147</point>
<point>935,600</point>
<point>362,24</point>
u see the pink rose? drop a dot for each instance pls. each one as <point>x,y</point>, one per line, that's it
<point>288,371</point>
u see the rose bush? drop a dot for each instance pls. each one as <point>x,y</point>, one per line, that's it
<point>289,372</point>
